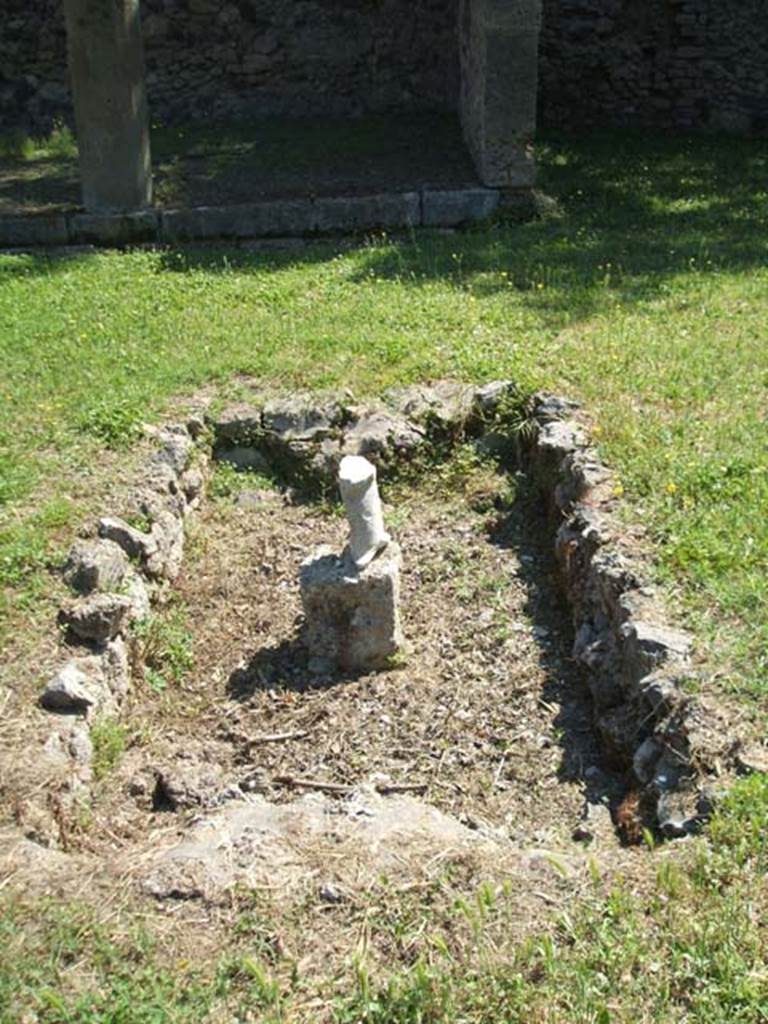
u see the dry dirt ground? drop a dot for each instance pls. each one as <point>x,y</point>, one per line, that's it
<point>484,719</point>
<point>268,160</point>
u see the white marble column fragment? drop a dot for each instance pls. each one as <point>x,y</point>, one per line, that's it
<point>360,493</point>
<point>352,601</point>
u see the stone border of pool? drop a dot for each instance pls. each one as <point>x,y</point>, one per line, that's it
<point>676,747</point>
<point>274,218</point>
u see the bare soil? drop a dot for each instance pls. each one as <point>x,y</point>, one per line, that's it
<point>200,166</point>
<point>485,719</point>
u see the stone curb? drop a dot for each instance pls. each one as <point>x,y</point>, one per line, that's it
<point>638,668</point>
<point>116,572</point>
<point>635,665</point>
<point>278,218</point>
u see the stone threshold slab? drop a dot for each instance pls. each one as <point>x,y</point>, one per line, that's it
<point>277,218</point>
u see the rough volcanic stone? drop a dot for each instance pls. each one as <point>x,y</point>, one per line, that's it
<point>619,728</point>
<point>116,669</point>
<point>96,683</point>
<point>752,759</point>
<point>679,813</point>
<point>175,450</point>
<point>559,438</point>
<point>445,405</point>
<point>238,424</point>
<point>548,408</point>
<point>580,473</point>
<point>377,432</point>
<point>95,565</point>
<point>193,485</point>
<point>596,823</point>
<point>300,418</point>
<point>160,476</point>
<point>662,691</point>
<point>168,534</point>
<point>186,783</point>
<point>73,689</point>
<point>490,397</point>
<point>137,592</point>
<point>135,543</point>
<point>196,424</point>
<point>648,646</point>
<point>645,758</point>
<point>97,617</point>
<point>352,616</point>
<point>451,207</point>
<point>68,752</point>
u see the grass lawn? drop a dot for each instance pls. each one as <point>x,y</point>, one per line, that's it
<point>647,298</point>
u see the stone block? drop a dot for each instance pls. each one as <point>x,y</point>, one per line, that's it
<point>45,229</point>
<point>98,617</point>
<point>352,616</point>
<point>73,689</point>
<point>447,208</point>
<point>250,220</point>
<point>238,424</point>
<point>647,647</point>
<point>135,543</point>
<point>95,565</point>
<point>498,44</point>
<point>114,229</point>
<point>360,213</point>
<point>106,64</point>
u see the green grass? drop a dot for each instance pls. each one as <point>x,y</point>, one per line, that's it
<point>109,739</point>
<point>59,144</point>
<point>166,646</point>
<point>646,298</point>
<point>690,947</point>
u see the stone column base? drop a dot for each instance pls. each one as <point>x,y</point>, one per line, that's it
<point>352,617</point>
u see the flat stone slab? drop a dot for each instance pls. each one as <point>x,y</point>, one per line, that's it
<point>448,208</point>
<point>254,220</point>
<point>312,841</point>
<point>45,229</point>
<point>268,219</point>
<point>114,229</point>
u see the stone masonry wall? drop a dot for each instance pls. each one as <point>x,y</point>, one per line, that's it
<point>669,64</point>
<point>665,64</point>
<point>249,58</point>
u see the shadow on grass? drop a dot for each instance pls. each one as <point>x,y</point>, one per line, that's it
<point>635,213</point>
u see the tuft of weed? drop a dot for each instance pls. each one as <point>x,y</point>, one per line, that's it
<point>228,481</point>
<point>109,738</point>
<point>115,422</point>
<point>166,642</point>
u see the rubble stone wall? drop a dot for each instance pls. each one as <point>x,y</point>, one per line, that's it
<point>667,64</point>
<point>249,58</point>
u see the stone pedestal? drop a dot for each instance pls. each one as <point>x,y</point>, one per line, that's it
<point>352,615</point>
<point>106,63</point>
<point>498,43</point>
